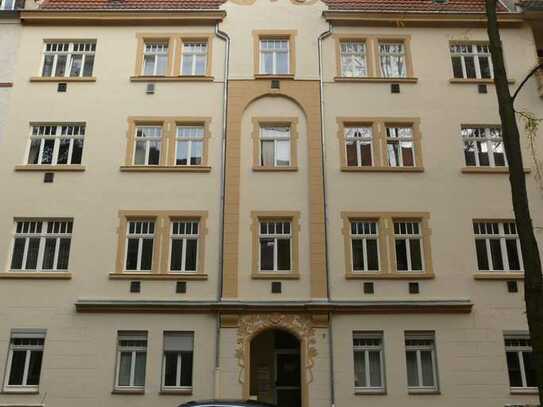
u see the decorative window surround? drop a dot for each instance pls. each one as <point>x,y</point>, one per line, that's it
<point>168,148</point>
<point>160,269</point>
<point>379,139</point>
<point>386,243</point>
<point>293,217</point>
<point>288,35</point>
<point>262,122</point>
<point>373,58</point>
<point>176,43</point>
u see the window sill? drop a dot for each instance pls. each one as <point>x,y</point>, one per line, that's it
<point>165,168</point>
<point>128,391</point>
<point>151,276</point>
<point>475,81</point>
<point>275,169</point>
<point>41,275</point>
<point>524,390</point>
<point>275,276</point>
<point>6,84</point>
<point>176,392</point>
<point>369,79</point>
<point>50,168</point>
<point>499,275</point>
<point>62,79</point>
<point>489,170</point>
<point>269,76</point>
<point>185,78</point>
<point>360,391</point>
<point>423,392</point>
<point>382,169</point>
<point>19,390</point>
<point>362,275</point>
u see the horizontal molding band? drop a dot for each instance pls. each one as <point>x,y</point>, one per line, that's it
<point>454,306</point>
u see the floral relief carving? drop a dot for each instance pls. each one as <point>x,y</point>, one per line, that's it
<point>300,325</point>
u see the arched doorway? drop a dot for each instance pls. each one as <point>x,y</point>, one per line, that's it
<point>276,368</point>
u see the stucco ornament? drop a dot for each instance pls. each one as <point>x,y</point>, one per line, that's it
<point>301,326</point>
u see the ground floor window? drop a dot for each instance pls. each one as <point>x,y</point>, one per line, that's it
<point>421,361</point>
<point>24,360</point>
<point>368,361</point>
<point>177,360</point>
<point>520,362</point>
<point>131,360</point>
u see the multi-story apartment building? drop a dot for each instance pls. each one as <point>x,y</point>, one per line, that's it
<point>304,202</point>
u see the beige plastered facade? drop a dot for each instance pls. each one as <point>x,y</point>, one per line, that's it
<point>227,303</point>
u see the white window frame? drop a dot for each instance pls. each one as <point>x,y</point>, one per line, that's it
<point>141,237</point>
<point>179,364</point>
<point>155,49</point>
<point>463,50</point>
<point>365,225</point>
<point>133,350</point>
<point>275,138</point>
<point>38,132</point>
<point>502,235</point>
<point>353,50</point>
<point>68,48</point>
<point>192,50</point>
<point>24,334</point>
<point>393,56</point>
<point>359,140</point>
<point>366,349</point>
<point>408,237</point>
<point>519,350</point>
<point>487,139</point>
<point>418,349</point>
<point>195,134</point>
<point>185,237</point>
<point>398,142</point>
<point>276,237</point>
<point>274,51</point>
<point>31,232</point>
<point>148,140</point>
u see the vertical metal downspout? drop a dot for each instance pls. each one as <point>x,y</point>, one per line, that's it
<point>323,36</point>
<point>224,36</point>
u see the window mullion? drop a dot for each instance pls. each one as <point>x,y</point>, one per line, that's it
<point>9,366</point>
<point>184,254</point>
<point>57,249</point>
<point>275,254</point>
<point>178,372</point>
<point>41,249</point>
<point>408,253</point>
<point>522,371</point>
<point>70,150</point>
<point>140,249</point>
<point>56,148</point>
<point>367,367</point>
<point>489,254</point>
<point>132,368</point>
<point>519,253</point>
<point>25,253</point>
<point>419,368</point>
<point>26,366</point>
<point>503,248</point>
<point>365,253</point>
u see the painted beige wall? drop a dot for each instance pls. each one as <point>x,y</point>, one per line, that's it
<point>9,42</point>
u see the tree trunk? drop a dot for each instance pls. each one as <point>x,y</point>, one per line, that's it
<point>533,285</point>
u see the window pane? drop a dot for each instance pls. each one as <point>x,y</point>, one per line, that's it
<point>360,369</point>
<point>162,64</point>
<point>407,154</point>
<point>132,254</point>
<point>267,154</point>
<point>373,254</point>
<point>63,151</point>
<point>457,67</point>
<point>496,253</point>
<point>416,255</point>
<point>61,65</point>
<point>34,368</point>
<point>48,65</point>
<point>393,154</point>
<point>513,365</point>
<point>512,254</point>
<point>200,65</point>
<point>412,371</point>
<point>469,153</point>
<point>34,152</point>
<point>17,368</point>
<point>266,62</point>
<point>147,254</point>
<point>77,60</point>
<point>266,254</point>
<point>182,153</point>
<point>148,65</point>
<point>499,153</point>
<point>427,368</point>
<point>186,68</point>
<point>63,254</point>
<point>47,154</point>
<point>49,254</point>
<point>196,153</point>
<point>124,369</point>
<point>358,255</point>
<point>18,252</point>
<point>77,151</point>
<point>154,152</point>
<point>401,254</point>
<point>529,368</point>
<point>176,257</point>
<point>375,369</point>
<point>352,154</point>
<point>470,67</point>
<point>283,254</point>
<point>282,63</point>
<point>191,254</point>
<point>482,147</point>
<point>89,65</point>
<point>139,156</point>
<point>283,152</point>
<point>482,258</point>
<point>32,254</point>
<point>170,369</point>
<point>186,369</point>
<point>485,67</point>
<point>365,153</point>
